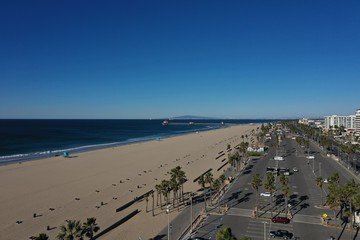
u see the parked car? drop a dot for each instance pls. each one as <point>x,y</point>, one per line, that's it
<point>266,194</point>
<point>281,234</point>
<point>280,220</point>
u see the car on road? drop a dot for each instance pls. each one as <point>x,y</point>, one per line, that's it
<point>266,194</point>
<point>280,220</point>
<point>295,169</point>
<point>284,234</point>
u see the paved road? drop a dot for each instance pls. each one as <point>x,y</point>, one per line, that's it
<point>306,196</point>
<point>307,199</point>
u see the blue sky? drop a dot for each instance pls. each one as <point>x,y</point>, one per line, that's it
<point>155,59</point>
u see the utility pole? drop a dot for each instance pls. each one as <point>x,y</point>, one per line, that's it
<point>168,212</point>
<point>191,213</point>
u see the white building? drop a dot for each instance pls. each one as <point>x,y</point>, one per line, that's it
<point>346,121</point>
<point>357,121</point>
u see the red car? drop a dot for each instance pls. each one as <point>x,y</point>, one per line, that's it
<point>280,220</point>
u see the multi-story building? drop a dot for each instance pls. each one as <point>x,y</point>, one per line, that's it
<point>345,121</point>
<point>357,121</point>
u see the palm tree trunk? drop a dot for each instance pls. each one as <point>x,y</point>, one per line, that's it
<point>153,204</point>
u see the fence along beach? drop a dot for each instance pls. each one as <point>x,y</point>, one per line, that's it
<point>96,183</point>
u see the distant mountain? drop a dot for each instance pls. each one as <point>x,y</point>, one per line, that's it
<point>191,117</point>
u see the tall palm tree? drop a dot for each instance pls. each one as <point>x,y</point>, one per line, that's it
<point>42,236</point>
<point>174,185</point>
<point>269,185</point>
<point>90,227</point>
<point>158,191</point>
<point>153,203</point>
<point>283,180</point>
<point>202,182</point>
<point>147,200</point>
<point>180,177</point>
<point>217,186</point>
<point>165,190</point>
<point>70,231</point>
<point>256,183</point>
<point>319,182</point>
<point>286,191</point>
<point>209,179</point>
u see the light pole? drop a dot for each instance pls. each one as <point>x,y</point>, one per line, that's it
<point>191,213</point>
<point>168,213</point>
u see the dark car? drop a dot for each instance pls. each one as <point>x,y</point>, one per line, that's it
<point>280,220</point>
<point>281,234</point>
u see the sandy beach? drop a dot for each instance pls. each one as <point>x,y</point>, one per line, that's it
<point>96,183</point>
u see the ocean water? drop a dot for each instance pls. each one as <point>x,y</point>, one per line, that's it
<point>22,140</point>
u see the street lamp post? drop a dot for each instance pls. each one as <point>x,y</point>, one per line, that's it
<point>191,213</point>
<point>168,213</point>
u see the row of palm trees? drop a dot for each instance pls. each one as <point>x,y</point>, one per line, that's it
<point>74,230</point>
<point>270,186</point>
<point>175,185</point>
<point>345,197</point>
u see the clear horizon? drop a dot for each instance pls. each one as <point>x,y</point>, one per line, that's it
<point>160,59</point>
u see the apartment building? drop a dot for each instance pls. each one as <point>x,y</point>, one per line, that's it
<point>346,121</point>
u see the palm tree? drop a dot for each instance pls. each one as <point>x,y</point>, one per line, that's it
<point>333,202</point>
<point>209,179</point>
<point>225,234</point>
<point>222,179</point>
<point>256,183</point>
<point>42,236</point>
<point>158,191</point>
<point>147,200</point>
<point>243,148</point>
<point>165,190</point>
<point>217,186</point>
<point>180,177</point>
<point>174,185</point>
<point>319,182</point>
<point>153,203</point>
<point>90,227</point>
<point>286,191</point>
<point>70,231</point>
<point>269,185</point>
<point>202,182</point>
<point>283,180</point>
